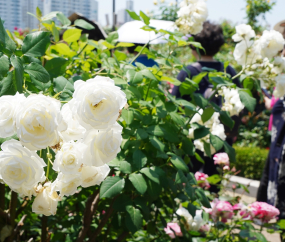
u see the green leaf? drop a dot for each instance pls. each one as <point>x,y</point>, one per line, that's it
<point>64,86</point>
<point>133,15</point>
<point>5,39</point>
<point>138,182</point>
<point>50,15</point>
<point>39,12</point>
<point>180,177</point>
<point>133,219</point>
<point>56,66</point>
<point>172,80</point>
<point>151,174</point>
<point>4,66</point>
<point>112,186</point>
<point>187,146</point>
<point>63,19</point>
<point>55,32</point>
<point>230,151</point>
<point>38,72</point>
<point>125,167</point>
<point>202,197</point>
<point>128,116</point>
<point>157,143</point>
<point>155,130</point>
<point>141,134</point>
<point>179,163</point>
<point>216,142</point>
<point>134,77</point>
<point>153,189</point>
<point>139,159</point>
<point>122,44</point>
<point>83,24</point>
<point>214,179</point>
<point>7,86</point>
<point>207,148</point>
<point>72,35</point>
<point>36,44</point>
<point>226,119</point>
<point>248,101</point>
<point>201,132</point>
<point>121,56</point>
<point>178,119</point>
<point>200,100</point>
<point>19,72</point>
<point>207,114</point>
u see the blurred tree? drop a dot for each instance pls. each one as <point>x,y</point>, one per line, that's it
<point>256,8</point>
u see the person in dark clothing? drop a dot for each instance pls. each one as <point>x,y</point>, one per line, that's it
<point>211,39</point>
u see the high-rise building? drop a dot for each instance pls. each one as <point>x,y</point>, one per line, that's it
<point>123,16</point>
<point>15,12</point>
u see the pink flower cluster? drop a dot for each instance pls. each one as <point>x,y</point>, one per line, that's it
<point>220,209</point>
<point>202,180</point>
<point>260,210</point>
<point>221,159</point>
<point>171,228</point>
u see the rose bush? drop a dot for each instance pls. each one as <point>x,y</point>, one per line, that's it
<point>130,161</point>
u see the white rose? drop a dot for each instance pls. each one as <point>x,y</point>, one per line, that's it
<point>92,175</point>
<point>20,168</point>
<point>66,184</point>
<point>22,192</point>
<point>243,32</point>
<point>38,122</point>
<point>46,201</point>
<point>280,86</point>
<point>103,145</point>
<point>70,158</point>
<point>97,102</point>
<point>74,130</point>
<point>8,106</point>
<point>270,43</point>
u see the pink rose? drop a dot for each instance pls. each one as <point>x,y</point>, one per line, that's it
<point>226,168</point>
<point>238,206</point>
<point>173,227</point>
<point>221,159</point>
<point>260,210</point>
<point>204,228</point>
<point>221,209</point>
<point>202,180</point>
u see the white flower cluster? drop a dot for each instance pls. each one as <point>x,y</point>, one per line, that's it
<point>231,102</point>
<point>192,14</point>
<point>256,54</point>
<point>213,124</point>
<point>192,224</point>
<point>84,133</point>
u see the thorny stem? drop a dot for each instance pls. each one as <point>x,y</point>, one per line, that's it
<point>2,196</point>
<point>44,229</point>
<point>49,161</point>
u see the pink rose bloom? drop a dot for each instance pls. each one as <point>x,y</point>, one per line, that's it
<point>226,168</point>
<point>202,180</point>
<point>221,159</point>
<point>221,209</point>
<point>175,227</point>
<point>238,206</point>
<point>260,210</point>
<point>204,228</point>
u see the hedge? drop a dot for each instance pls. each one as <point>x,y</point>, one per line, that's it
<point>250,161</point>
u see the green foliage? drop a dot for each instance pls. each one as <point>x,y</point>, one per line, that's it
<point>250,161</point>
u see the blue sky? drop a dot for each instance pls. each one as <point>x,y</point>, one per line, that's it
<point>218,9</point>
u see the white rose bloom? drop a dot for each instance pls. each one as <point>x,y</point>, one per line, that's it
<point>66,184</point>
<point>245,53</point>
<point>8,106</point>
<point>103,145</point>
<point>38,122</point>
<point>22,192</point>
<point>232,102</point>
<point>243,32</point>
<point>92,175</point>
<point>270,43</point>
<point>192,14</point>
<point>97,102</point>
<point>74,130</point>
<point>20,168</point>
<point>70,158</point>
<point>280,86</point>
<point>46,201</point>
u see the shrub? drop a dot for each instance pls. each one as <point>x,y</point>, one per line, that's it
<point>250,161</point>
